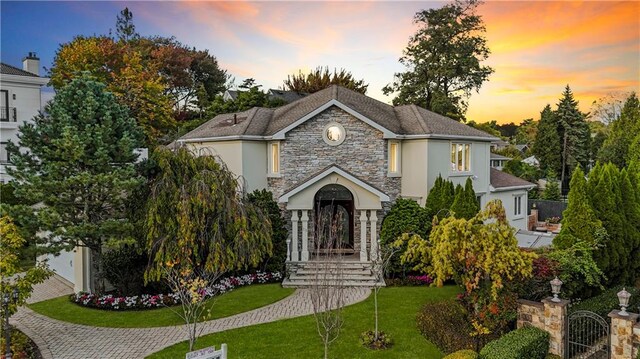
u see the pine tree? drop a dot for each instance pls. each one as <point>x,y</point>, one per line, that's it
<point>548,146</point>
<point>465,205</point>
<point>579,221</point>
<point>440,198</point>
<point>617,147</point>
<point>551,189</point>
<point>630,209</point>
<point>574,134</point>
<point>79,165</point>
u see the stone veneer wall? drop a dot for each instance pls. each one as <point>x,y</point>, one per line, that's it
<point>363,153</point>
<point>530,313</point>
<point>549,316</point>
<point>636,340</point>
<point>622,335</point>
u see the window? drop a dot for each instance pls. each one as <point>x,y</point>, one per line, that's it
<point>394,157</point>
<point>333,134</point>
<point>460,157</point>
<point>274,158</point>
<point>517,205</point>
<point>4,155</point>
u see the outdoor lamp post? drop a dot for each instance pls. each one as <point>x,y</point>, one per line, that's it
<point>556,284</point>
<point>6,300</point>
<point>623,297</point>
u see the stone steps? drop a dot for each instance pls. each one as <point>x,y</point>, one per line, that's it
<point>333,273</point>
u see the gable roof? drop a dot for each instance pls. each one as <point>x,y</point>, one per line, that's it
<point>502,181</point>
<point>6,69</point>
<point>300,186</point>
<point>286,96</point>
<point>407,121</point>
<point>495,156</point>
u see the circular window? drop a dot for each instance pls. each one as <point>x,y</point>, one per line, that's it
<point>333,134</point>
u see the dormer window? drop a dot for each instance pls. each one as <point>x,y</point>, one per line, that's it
<point>460,157</point>
<point>274,159</point>
<point>394,158</point>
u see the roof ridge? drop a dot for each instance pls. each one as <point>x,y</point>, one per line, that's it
<point>414,108</point>
<point>334,93</point>
<point>26,73</point>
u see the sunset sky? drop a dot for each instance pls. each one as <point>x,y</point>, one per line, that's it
<point>537,46</point>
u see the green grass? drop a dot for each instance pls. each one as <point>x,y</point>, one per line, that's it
<point>234,302</point>
<point>298,338</point>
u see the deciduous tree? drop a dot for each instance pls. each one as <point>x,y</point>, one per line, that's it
<point>616,148</point>
<point>79,164</point>
<point>443,60</point>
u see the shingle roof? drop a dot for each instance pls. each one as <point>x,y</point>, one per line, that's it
<point>12,70</point>
<point>495,156</point>
<point>499,179</point>
<point>287,96</point>
<point>401,120</point>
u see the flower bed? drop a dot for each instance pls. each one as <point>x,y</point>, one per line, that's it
<point>411,280</point>
<point>149,301</point>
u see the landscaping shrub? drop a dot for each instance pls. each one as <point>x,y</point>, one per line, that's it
<point>405,216</point>
<point>124,268</point>
<point>445,325</point>
<point>367,339</point>
<point>462,354</point>
<point>263,199</point>
<point>22,346</point>
<point>524,343</point>
<point>607,301</point>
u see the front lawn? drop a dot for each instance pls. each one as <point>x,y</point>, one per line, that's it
<point>298,338</point>
<point>237,301</point>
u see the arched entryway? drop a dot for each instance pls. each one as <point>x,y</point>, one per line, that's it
<point>333,212</point>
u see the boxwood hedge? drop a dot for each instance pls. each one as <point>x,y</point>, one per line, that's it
<point>524,343</point>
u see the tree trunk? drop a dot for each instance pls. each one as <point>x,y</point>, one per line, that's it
<point>97,280</point>
<point>375,301</point>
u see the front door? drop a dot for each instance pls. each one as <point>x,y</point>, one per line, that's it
<point>334,223</point>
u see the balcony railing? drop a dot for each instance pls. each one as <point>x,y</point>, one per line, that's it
<point>8,114</point>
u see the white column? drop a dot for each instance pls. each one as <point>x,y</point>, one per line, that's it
<point>373,219</point>
<point>294,236</point>
<point>363,236</point>
<point>305,235</point>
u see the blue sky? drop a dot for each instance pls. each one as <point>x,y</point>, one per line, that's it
<point>537,47</point>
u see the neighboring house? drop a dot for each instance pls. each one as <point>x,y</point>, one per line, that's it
<point>339,148</point>
<point>499,145</point>
<point>498,161</point>
<point>20,101</point>
<point>523,148</point>
<point>273,94</point>
<point>532,161</point>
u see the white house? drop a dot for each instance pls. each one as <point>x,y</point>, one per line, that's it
<point>340,148</point>
<point>498,161</point>
<point>20,101</point>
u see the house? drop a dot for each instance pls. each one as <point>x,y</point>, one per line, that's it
<point>498,161</point>
<point>20,101</point>
<point>339,148</point>
<point>523,148</point>
<point>532,161</point>
<point>499,144</point>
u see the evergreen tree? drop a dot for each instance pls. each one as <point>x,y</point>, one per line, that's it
<point>263,200</point>
<point>574,134</point>
<point>465,204</point>
<point>79,165</point>
<point>579,221</point>
<point>125,29</point>
<point>547,146</point>
<point>611,258</point>
<point>443,60</point>
<point>630,209</point>
<point>617,147</point>
<point>552,189</point>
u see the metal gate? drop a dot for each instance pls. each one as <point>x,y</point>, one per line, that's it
<point>587,336</point>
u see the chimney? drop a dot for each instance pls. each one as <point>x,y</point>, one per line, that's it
<point>31,63</point>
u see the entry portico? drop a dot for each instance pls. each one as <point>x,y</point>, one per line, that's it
<point>358,200</point>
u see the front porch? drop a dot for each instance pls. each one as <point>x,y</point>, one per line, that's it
<point>333,201</point>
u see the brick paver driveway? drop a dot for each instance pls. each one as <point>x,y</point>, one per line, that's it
<point>57,339</point>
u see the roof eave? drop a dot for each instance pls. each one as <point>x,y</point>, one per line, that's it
<point>446,137</point>
<point>224,138</point>
<point>512,188</point>
<point>32,80</point>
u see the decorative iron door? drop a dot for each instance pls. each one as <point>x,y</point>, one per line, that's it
<point>587,336</point>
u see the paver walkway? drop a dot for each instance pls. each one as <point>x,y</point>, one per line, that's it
<point>61,340</point>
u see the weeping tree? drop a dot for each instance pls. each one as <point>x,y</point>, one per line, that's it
<point>199,226</point>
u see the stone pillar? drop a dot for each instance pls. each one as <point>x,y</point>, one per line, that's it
<point>305,235</point>
<point>636,339</point>
<point>555,322</point>
<point>294,236</point>
<point>622,334</point>
<point>363,236</point>
<point>373,219</point>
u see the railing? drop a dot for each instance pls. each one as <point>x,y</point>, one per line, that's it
<point>8,114</point>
